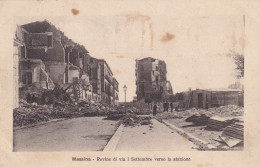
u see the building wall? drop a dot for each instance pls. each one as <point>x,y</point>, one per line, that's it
<point>216,98</point>
<point>56,71</point>
<point>29,67</point>
<point>95,76</point>
<point>54,53</point>
<point>15,77</point>
<point>106,84</point>
<point>115,93</point>
<point>72,75</point>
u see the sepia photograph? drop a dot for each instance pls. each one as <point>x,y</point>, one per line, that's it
<point>107,83</point>
<point>128,82</point>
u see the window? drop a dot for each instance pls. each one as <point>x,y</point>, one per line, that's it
<point>156,68</point>
<point>50,41</point>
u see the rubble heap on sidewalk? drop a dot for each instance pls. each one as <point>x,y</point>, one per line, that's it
<point>31,113</point>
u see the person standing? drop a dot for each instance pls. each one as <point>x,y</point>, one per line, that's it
<point>167,106</point>
<point>164,106</point>
<point>171,105</point>
<point>154,109</point>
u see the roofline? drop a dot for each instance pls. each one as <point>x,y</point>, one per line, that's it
<point>104,61</point>
<point>151,58</point>
<point>219,90</point>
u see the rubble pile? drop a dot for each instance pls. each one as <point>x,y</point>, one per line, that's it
<point>135,120</point>
<point>31,113</point>
<point>233,135</point>
<point>227,111</point>
<point>223,111</point>
<point>235,130</point>
<point>198,120</point>
<point>218,123</point>
<point>167,115</point>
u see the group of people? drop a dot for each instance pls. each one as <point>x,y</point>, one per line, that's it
<point>166,107</point>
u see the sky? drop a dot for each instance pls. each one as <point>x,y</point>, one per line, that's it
<point>197,50</point>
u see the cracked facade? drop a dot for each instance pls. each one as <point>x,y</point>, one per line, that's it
<point>151,80</point>
<point>44,56</point>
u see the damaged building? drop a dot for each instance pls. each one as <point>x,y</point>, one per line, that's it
<point>104,84</point>
<point>44,57</point>
<point>207,98</point>
<point>151,80</point>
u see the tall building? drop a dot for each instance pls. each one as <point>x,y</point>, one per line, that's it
<point>151,80</point>
<point>103,82</point>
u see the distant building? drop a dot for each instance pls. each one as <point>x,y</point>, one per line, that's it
<point>106,83</point>
<point>208,98</point>
<point>236,85</point>
<point>103,82</point>
<point>151,80</point>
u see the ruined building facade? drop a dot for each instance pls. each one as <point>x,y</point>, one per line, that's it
<point>151,80</point>
<point>44,56</point>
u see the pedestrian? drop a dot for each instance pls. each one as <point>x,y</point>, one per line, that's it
<point>171,105</point>
<point>167,106</point>
<point>164,107</point>
<point>154,109</point>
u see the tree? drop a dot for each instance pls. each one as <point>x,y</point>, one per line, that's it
<point>239,61</point>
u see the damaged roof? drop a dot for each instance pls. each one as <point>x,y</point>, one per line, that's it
<point>37,27</point>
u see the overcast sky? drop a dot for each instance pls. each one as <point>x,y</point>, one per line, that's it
<point>197,50</point>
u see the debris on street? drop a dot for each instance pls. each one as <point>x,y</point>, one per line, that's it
<point>221,127</point>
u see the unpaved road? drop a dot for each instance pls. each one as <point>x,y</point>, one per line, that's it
<point>155,137</point>
<point>79,134</point>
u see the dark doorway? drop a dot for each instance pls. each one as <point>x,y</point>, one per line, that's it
<point>200,100</point>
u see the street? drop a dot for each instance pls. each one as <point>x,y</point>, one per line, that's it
<point>155,137</point>
<point>80,134</point>
<point>94,133</point>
